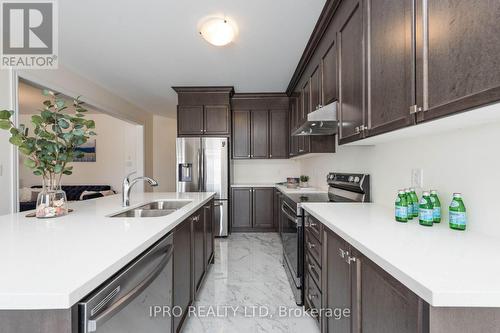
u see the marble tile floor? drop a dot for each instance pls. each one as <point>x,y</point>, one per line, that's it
<point>247,290</point>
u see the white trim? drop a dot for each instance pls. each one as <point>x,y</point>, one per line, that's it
<point>14,105</point>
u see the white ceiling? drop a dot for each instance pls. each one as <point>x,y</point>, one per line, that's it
<point>139,49</point>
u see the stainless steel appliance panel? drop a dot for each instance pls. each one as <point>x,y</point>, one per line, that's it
<point>122,304</point>
<point>221,218</point>
<point>189,159</point>
<point>215,170</point>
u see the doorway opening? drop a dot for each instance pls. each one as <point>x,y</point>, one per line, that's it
<point>116,151</point>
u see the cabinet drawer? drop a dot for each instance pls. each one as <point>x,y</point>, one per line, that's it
<point>313,246</point>
<point>314,227</point>
<point>312,294</point>
<point>313,269</point>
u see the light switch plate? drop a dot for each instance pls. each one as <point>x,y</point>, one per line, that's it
<point>417,178</point>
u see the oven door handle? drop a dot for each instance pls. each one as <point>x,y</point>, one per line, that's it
<point>284,209</point>
<point>122,302</point>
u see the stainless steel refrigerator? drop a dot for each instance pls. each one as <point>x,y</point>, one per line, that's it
<point>203,166</point>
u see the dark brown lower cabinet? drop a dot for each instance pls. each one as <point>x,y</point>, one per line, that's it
<point>182,295</point>
<point>191,250</point>
<point>208,216</point>
<point>263,207</point>
<point>386,304</point>
<point>252,209</point>
<point>345,281</point>
<point>198,248</point>
<point>241,208</point>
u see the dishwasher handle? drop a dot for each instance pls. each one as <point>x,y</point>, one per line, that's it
<point>92,324</point>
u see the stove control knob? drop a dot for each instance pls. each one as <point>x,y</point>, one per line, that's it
<point>356,179</point>
<point>351,178</point>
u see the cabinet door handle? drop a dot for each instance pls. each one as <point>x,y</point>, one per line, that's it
<point>311,267</point>
<point>415,109</point>
<point>342,253</point>
<point>312,296</point>
<point>356,130</point>
<point>310,245</point>
<point>248,155</point>
<point>313,225</point>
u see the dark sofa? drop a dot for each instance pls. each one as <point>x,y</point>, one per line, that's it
<point>73,193</point>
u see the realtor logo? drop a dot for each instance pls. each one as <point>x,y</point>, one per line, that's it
<point>29,34</point>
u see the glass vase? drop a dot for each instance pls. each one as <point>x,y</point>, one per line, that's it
<point>51,201</point>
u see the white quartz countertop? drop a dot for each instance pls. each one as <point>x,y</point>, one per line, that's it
<point>442,266</point>
<point>54,263</point>
<point>282,188</point>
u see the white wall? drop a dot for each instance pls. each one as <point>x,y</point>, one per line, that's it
<point>264,171</point>
<point>71,83</point>
<point>6,193</point>
<point>465,160</point>
<point>116,150</point>
<point>165,133</point>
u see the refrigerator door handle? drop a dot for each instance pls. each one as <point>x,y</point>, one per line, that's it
<point>200,168</point>
<point>202,173</point>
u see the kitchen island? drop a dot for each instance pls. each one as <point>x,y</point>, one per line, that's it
<point>52,264</point>
<point>434,278</point>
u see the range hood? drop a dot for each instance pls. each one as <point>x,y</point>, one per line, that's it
<point>322,121</point>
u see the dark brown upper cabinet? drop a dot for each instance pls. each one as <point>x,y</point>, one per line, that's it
<point>278,133</point>
<point>390,65</point>
<point>241,134</point>
<point>306,100</point>
<point>189,120</point>
<point>259,144</point>
<point>460,69</point>
<point>316,89</point>
<point>294,144</point>
<point>217,120</point>
<point>260,126</point>
<point>329,75</point>
<point>350,53</point>
<point>204,111</point>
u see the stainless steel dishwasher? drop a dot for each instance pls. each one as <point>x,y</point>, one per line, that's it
<point>123,303</point>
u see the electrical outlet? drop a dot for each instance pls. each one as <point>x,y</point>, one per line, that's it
<point>417,178</point>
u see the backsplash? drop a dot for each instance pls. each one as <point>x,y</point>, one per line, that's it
<point>449,161</point>
<point>264,171</point>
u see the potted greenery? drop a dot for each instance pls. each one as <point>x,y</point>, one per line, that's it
<point>304,181</point>
<point>57,131</point>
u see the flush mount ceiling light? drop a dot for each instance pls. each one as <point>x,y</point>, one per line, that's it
<point>218,31</point>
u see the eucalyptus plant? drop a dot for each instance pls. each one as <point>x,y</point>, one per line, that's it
<point>57,131</point>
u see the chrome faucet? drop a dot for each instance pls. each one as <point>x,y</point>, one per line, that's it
<point>128,184</point>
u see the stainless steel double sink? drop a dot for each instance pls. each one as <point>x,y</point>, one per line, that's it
<point>154,209</point>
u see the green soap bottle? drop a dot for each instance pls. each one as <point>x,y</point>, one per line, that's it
<point>426,210</point>
<point>458,215</point>
<point>436,206</point>
<point>415,202</point>
<point>401,207</point>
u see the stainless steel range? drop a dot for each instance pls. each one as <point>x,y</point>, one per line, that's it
<point>342,187</point>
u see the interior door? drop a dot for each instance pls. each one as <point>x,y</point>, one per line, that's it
<point>188,164</point>
<point>215,161</point>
